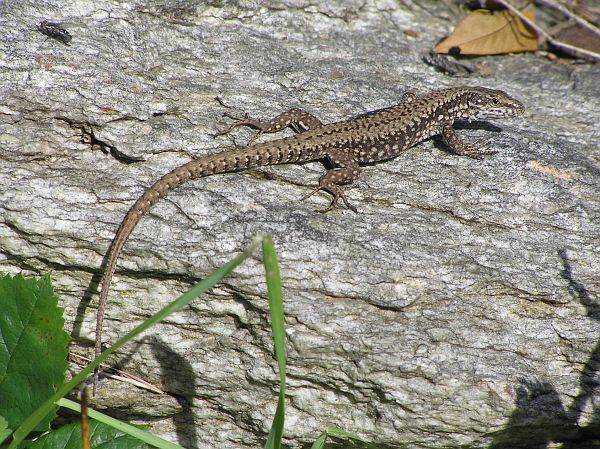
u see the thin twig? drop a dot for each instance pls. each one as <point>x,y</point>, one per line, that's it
<point>119,375</point>
<point>567,47</point>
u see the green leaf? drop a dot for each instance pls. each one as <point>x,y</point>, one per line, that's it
<point>102,436</point>
<point>33,348</point>
<point>4,430</point>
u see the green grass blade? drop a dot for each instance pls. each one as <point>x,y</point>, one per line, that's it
<point>136,432</point>
<point>320,442</point>
<point>201,287</point>
<point>275,303</point>
<point>343,434</point>
<point>277,325</point>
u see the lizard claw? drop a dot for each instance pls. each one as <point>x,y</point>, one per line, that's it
<point>474,153</point>
<point>238,122</point>
<point>334,202</point>
<point>245,121</point>
<point>311,193</point>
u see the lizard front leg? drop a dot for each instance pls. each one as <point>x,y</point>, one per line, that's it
<point>459,147</point>
<point>346,171</point>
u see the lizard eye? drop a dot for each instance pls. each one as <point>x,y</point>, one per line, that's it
<point>495,101</point>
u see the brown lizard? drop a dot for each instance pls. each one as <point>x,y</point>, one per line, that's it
<point>371,137</point>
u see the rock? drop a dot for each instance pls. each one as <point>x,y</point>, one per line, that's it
<point>459,307</point>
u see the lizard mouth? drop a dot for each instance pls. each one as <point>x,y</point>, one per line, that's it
<point>511,111</point>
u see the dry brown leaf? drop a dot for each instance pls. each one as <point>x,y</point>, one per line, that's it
<point>581,37</point>
<point>484,32</point>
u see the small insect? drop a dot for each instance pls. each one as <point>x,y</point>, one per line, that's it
<point>55,31</point>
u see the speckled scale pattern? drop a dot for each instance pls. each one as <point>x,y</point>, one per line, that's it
<point>370,137</point>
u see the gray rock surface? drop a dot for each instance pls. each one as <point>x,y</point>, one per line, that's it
<point>458,308</point>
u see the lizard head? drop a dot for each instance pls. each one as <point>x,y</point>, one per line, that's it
<point>489,103</point>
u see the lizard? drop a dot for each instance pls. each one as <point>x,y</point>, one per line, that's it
<point>367,138</point>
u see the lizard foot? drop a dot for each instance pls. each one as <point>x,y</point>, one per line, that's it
<point>337,194</point>
<point>245,121</point>
<point>474,153</point>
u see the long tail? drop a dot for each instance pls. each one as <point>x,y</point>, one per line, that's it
<point>230,161</point>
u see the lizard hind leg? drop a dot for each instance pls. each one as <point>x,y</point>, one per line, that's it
<point>295,118</point>
<point>346,172</point>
